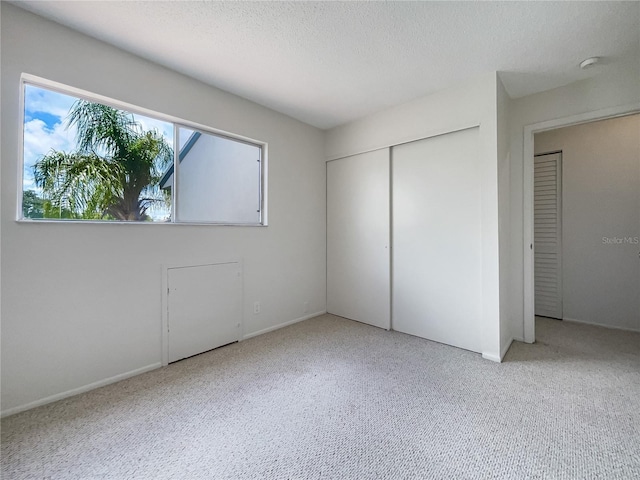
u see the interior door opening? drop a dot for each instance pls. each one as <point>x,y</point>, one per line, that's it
<point>586,223</point>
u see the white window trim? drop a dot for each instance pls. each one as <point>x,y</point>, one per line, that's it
<point>28,79</point>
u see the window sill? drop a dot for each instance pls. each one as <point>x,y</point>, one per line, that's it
<point>23,221</point>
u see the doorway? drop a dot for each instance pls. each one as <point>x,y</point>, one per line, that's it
<point>600,219</point>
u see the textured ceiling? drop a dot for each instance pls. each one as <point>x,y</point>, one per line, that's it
<point>327,63</point>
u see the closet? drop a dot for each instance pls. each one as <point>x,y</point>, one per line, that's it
<point>403,238</point>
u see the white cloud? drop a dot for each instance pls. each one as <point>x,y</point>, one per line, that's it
<point>40,140</point>
<point>41,100</point>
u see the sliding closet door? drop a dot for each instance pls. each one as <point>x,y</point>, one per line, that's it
<point>358,259</point>
<point>437,239</point>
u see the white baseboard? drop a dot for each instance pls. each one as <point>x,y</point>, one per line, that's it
<point>493,358</point>
<point>503,352</point>
<point>518,339</point>
<point>614,327</point>
<point>505,349</point>
<point>132,373</point>
<point>282,325</point>
<point>76,391</point>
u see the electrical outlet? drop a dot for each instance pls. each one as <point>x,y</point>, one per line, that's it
<point>306,307</point>
<point>256,308</point>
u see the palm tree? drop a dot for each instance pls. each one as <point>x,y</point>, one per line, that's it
<point>113,173</point>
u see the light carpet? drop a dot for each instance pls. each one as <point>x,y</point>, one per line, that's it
<point>330,398</point>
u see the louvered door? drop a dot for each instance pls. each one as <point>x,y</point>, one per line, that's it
<point>548,234</point>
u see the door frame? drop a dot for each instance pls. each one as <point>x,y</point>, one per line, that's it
<point>528,202</point>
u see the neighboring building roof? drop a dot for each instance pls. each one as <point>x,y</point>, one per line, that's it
<point>165,180</point>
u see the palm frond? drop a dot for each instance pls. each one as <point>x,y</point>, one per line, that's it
<point>114,172</point>
<point>102,129</point>
<point>76,182</point>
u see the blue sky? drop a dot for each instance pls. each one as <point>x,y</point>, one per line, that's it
<point>45,128</point>
<point>44,115</point>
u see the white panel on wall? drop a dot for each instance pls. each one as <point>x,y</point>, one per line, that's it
<point>547,227</point>
<point>358,276</point>
<point>204,308</point>
<point>437,256</point>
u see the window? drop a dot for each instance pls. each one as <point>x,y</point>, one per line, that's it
<point>84,159</point>
<point>217,178</point>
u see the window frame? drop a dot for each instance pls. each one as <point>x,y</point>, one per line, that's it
<point>39,82</point>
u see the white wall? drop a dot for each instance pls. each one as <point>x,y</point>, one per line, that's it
<point>593,95</point>
<point>81,303</point>
<point>600,199</point>
<point>504,215</point>
<point>465,106</point>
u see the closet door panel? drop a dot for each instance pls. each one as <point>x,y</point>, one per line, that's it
<point>437,239</point>
<point>358,271</point>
